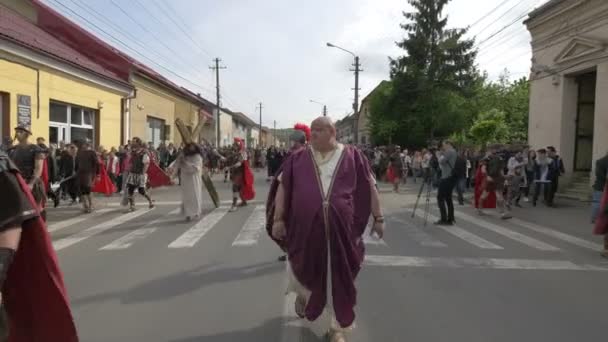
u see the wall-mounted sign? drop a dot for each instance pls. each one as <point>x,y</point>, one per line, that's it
<point>24,110</point>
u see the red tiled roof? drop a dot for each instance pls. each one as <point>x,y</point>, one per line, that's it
<point>103,53</point>
<point>20,30</point>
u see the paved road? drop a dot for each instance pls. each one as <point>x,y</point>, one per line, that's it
<point>149,276</point>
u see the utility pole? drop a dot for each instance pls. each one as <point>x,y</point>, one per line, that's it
<point>274,134</point>
<point>260,134</point>
<point>357,69</point>
<point>217,68</point>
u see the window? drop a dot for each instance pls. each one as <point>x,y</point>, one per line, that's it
<point>58,113</point>
<point>156,130</point>
<point>76,116</point>
<point>70,123</point>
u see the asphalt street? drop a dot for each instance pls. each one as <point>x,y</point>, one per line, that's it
<point>150,276</point>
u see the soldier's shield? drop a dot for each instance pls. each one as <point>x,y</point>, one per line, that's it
<point>211,189</point>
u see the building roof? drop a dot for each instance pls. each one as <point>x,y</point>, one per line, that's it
<point>99,51</point>
<point>543,9</point>
<point>380,85</point>
<point>19,30</point>
<point>243,118</point>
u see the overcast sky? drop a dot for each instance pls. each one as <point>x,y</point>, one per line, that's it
<point>275,51</point>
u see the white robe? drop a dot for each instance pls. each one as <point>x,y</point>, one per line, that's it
<point>191,168</point>
<point>327,321</point>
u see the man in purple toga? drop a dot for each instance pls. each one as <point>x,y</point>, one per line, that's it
<point>318,208</point>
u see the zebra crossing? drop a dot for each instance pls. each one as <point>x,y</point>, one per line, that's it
<point>477,233</point>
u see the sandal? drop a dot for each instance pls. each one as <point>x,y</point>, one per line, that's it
<point>300,306</point>
<point>336,336</point>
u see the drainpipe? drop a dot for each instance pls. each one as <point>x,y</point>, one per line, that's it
<point>127,116</point>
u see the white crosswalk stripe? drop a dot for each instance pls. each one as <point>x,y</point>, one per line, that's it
<point>526,240</point>
<point>202,227</point>
<point>136,235</point>
<point>463,234</point>
<point>75,220</point>
<point>252,228</point>
<point>87,233</point>
<point>487,263</point>
<point>559,235</point>
<point>418,235</point>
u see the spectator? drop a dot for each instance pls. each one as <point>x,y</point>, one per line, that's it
<point>601,170</point>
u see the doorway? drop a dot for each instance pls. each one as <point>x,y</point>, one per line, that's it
<point>583,155</point>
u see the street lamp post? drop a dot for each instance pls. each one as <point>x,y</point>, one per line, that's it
<point>357,69</point>
<point>324,106</point>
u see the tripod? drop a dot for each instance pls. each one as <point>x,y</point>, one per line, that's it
<point>426,182</point>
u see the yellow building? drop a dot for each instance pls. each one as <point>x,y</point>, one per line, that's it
<point>146,105</point>
<point>60,93</point>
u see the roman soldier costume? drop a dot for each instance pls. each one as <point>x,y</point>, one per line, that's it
<point>240,175</point>
<point>137,176</point>
<point>29,159</point>
<point>33,292</point>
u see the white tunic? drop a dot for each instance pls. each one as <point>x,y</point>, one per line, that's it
<point>327,321</point>
<point>192,184</point>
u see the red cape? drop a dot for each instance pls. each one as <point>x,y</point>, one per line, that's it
<point>390,175</point>
<point>103,183</point>
<point>601,222</point>
<point>45,175</point>
<point>247,190</point>
<point>34,292</point>
<point>156,176</point>
<point>480,184</point>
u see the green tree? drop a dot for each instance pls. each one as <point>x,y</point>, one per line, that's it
<point>490,127</point>
<point>431,81</point>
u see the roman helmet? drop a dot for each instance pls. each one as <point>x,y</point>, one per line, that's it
<point>301,134</point>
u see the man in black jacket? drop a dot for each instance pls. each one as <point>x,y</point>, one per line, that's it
<point>601,169</point>
<point>555,171</point>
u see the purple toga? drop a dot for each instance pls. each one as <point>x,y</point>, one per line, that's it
<point>318,220</point>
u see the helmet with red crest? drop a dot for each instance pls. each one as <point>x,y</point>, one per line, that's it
<point>301,134</point>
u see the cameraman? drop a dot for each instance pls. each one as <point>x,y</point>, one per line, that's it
<point>447,159</point>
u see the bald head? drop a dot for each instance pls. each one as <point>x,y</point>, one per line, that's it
<point>323,134</point>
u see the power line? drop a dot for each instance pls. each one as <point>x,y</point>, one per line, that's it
<point>487,14</point>
<point>126,46</point>
<point>96,14</point>
<point>519,41</point>
<point>518,32</point>
<point>502,29</point>
<point>179,24</point>
<point>142,27</point>
<point>502,52</point>
<point>497,19</point>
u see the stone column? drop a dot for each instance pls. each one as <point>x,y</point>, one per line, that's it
<point>569,108</point>
<point>600,135</point>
